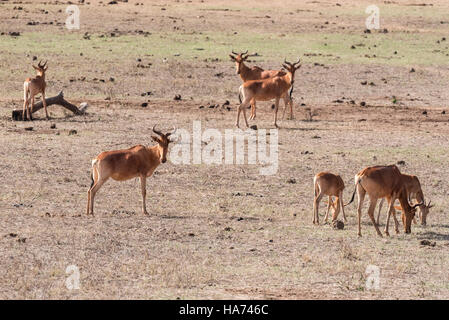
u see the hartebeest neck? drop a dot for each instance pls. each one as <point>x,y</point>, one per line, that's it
<point>40,76</point>
<point>289,77</point>
<point>155,154</point>
<point>245,72</point>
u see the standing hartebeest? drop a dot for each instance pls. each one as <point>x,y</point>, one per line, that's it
<point>383,182</point>
<point>329,184</point>
<point>138,161</point>
<point>268,89</point>
<point>32,87</point>
<point>253,73</point>
<point>414,191</point>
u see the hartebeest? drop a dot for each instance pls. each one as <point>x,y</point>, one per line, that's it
<point>268,89</point>
<point>138,161</point>
<point>329,184</point>
<point>254,73</point>
<point>32,87</point>
<point>414,191</point>
<point>383,182</point>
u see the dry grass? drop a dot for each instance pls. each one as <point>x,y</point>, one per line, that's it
<point>195,245</point>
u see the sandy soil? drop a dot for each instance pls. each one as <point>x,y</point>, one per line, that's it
<point>220,231</point>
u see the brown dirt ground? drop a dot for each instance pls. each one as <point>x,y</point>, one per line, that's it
<point>194,246</point>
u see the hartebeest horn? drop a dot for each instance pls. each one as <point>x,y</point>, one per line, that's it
<point>156,131</point>
<point>172,132</point>
<point>417,205</point>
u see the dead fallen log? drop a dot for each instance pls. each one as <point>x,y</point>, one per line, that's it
<point>59,100</point>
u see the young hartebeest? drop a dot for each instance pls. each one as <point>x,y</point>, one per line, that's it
<point>329,184</point>
<point>138,161</point>
<point>32,87</point>
<point>254,73</point>
<point>268,89</point>
<point>383,182</point>
<point>414,191</point>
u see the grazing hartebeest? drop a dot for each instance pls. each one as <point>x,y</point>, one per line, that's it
<point>253,73</point>
<point>268,89</point>
<point>414,191</point>
<point>32,87</point>
<point>138,161</point>
<point>383,182</point>
<point>329,184</point>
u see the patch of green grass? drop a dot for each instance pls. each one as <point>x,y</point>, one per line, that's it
<point>411,49</point>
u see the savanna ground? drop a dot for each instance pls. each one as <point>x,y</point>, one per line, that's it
<point>221,231</point>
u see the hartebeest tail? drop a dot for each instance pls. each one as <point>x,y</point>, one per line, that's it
<point>32,87</point>
<point>138,161</point>
<point>353,194</point>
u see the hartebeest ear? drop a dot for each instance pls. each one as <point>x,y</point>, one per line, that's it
<point>156,139</point>
<point>38,69</point>
<point>232,57</point>
<point>285,66</point>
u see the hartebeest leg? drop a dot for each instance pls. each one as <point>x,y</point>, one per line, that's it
<point>92,192</point>
<point>380,208</point>
<point>143,185</point>
<point>361,196</point>
<point>287,101</point>
<point>371,209</point>
<point>276,107</point>
<point>253,110</point>
<point>30,108</point>
<point>340,199</point>
<point>242,107</point>
<point>329,204</point>
<point>285,107</point>
<point>336,208</point>
<point>45,105</point>
<point>291,108</point>
<point>396,222</point>
<point>316,203</point>
<point>387,222</point>
<point>25,103</point>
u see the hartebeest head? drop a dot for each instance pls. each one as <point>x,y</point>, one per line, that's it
<point>408,212</point>
<point>41,68</point>
<point>292,67</point>
<point>163,142</point>
<point>424,212</point>
<point>239,58</point>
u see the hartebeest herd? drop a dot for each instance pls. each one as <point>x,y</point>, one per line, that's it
<point>379,182</point>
